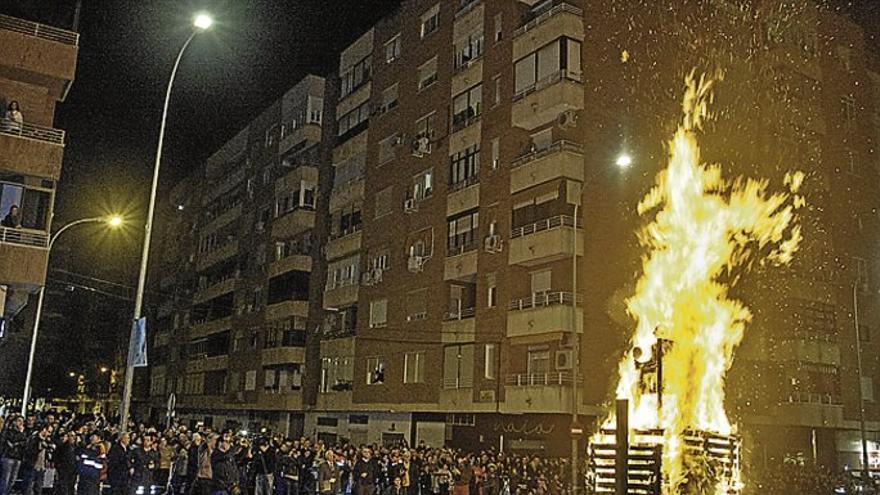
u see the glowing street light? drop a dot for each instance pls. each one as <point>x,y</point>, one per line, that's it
<point>203,21</point>
<point>104,369</point>
<point>623,160</point>
<point>113,221</point>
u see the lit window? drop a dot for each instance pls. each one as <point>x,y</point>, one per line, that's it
<point>378,313</point>
<point>414,367</point>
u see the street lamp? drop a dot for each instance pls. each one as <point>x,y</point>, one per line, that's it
<point>112,221</point>
<point>201,23</point>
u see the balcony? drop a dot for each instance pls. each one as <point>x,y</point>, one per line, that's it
<point>538,392</point>
<point>309,132</point>
<point>810,409</point>
<point>283,355</point>
<point>38,54</point>
<point>346,194</point>
<point>809,351</point>
<point>206,363</point>
<point>463,196</point>
<point>298,262</point>
<point>459,327</point>
<point>23,257</point>
<point>562,159</point>
<point>340,296</point>
<point>543,316</point>
<point>544,241</point>
<point>215,290</point>
<point>342,246</point>
<point>546,25</point>
<point>461,261</point>
<point>222,220</point>
<point>295,177</point>
<point>287,309</point>
<point>546,99</point>
<point>29,149</point>
<point>223,252</point>
<point>293,223</point>
<point>205,328</point>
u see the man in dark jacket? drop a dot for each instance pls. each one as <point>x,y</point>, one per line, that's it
<point>263,467</point>
<point>225,469</point>
<point>366,472</point>
<point>144,462</point>
<point>65,464</point>
<point>119,466</point>
<point>34,461</point>
<point>12,443</point>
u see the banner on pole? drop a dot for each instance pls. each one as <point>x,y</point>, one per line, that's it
<point>139,343</point>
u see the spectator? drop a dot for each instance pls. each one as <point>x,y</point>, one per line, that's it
<point>328,475</point>
<point>34,460</point>
<point>225,471</point>
<point>90,466</point>
<point>12,442</point>
<point>144,463</point>
<point>65,463</point>
<point>119,466</point>
<point>366,473</point>
<point>13,119</point>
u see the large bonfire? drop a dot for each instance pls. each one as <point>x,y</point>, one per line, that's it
<point>705,230</point>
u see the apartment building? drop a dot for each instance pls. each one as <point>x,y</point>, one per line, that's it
<point>473,157</point>
<point>37,66</point>
<point>234,269</point>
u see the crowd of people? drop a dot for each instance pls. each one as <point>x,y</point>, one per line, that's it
<point>87,455</point>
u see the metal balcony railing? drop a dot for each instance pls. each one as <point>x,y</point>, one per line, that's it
<point>464,183</point>
<point>458,382</point>
<point>24,237</point>
<point>563,74</point>
<point>39,30</point>
<point>32,131</point>
<point>544,299</point>
<point>460,314</point>
<point>548,379</point>
<point>545,224</point>
<point>813,398</point>
<point>538,18</point>
<point>557,147</point>
<point>462,248</point>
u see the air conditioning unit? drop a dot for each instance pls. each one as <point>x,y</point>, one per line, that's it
<point>409,206</point>
<point>415,263</point>
<point>564,359</point>
<point>421,146</point>
<point>567,119</point>
<point>492,244</point>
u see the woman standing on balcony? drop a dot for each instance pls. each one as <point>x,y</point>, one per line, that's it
<point>12,219</point>
<point>13,116</point>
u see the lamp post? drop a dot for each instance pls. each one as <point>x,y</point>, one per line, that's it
<point>623,162</point>
<point>865,466</point>
<point>201,23</point>
<point>113,221</point>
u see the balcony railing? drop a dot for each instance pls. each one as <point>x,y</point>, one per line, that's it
<point>464,183</point>
<point>571,75</point>
<point>545,224</point>
<point>462,248</point>
<point>535,19</point>
<point>460,314</point>
<point>39,30</point>
<point>556,147</point>
<point>32,131</point>
<point>24,237</point>
<point>813,398</point>
<point>544,299</point>
<point>554,378</point>
<point>459,382</point>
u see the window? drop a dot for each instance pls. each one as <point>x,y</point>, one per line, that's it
<point>498,31</point>
<point>303,197</point>
<point>428,74</point>
<point>414,367</point>
<point>352,122</point>
<point>559,59</point>
<point>426,126</point>
<point>491,290</point>
<point>430,21</point>
<point>868,389</point>
<point>392,49</point>
<point>282,379</point>
<point>384,201</point>
<point>467,49</point>
<point>356,76</point>
<point>336,374</point>
<point>538,361</point>
<point>490,361</point>
<point>346,221</point>
<point>464,167</point>
<point>343,273</point>
<point>375,371</point>
<point>250,380</point>
<point>466,107</point>
<point>423,185</point>
<point>378,313</point>
<point>458,366</point>
<point>848,104</point>
<point>315,111</point>
<point>288,332</point>
<point>417,305</point>
<point>496,82</point>
<point>349,170</point>
<point>388,148</point>
<point>864,333</point>
<point>496,153</point>
<point>271,133</point>
<point>540,281</point>
<point>389,99</point>
<point>462,232</point>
